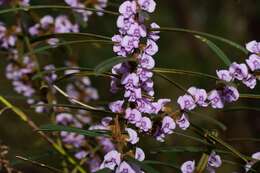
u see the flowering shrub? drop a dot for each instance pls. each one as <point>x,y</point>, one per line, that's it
<point>97,136</point>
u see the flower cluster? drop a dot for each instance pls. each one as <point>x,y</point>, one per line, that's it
<point>20,71</point>
<point>113,160</point>
<point>48,24</point>
<point>136,78</point>
<point>214,161</point>
<point>78,7</point>
<point>8,36</point>
<point>244,72</point>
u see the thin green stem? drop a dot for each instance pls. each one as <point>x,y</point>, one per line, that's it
<point>185,72</point>
<point>56,7</point>
<point>202,34</point>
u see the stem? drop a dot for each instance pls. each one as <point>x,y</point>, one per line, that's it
<point>38,164</point>
<point>203,34</point>
<point>56,7</point>
<point>178,71</point>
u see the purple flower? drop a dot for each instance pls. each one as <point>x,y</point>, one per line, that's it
<point>64,118</point>
<point>24,3</point>
<point>63,25</point>
<point>230,94</point>
<point>106,121</point>
<point>199,95</point>
<point>148,87</point>
<point>136,30</point>
<point>124,168</point>
<point>146,61</point>
<point>118,48</point>
<point>250,81</point>
<point>129,43</point>
<point>130,81</point>
<point>214,160</point>
<point>122,68</point>
<point>81,154</point>
<point>139,154</point>
<point>253,62</point>
<point>188,167</point>
<point>133,94</point>
<point>238,71</point>
<point>133,115</point>
<point>144,105</point>
<point>215,99</point>
<point>186,102</point>
<point>253,47</point>
<point>144,74</point>
<point>159,105</point>
<point>224,75</point>
<point>94,164</point>
<point>183,122</point>
<point>151,47</point>
<point>111,160</point>
<point>106,144</point>
<point>145,124</point>
<point>132,136</point>
<point>154,35</point>
<point>168,125</point>
<point>117,106</point>
<point>46,21</point>
<point>124,23</point>
<point>147,5</point>
<point>128,8</point>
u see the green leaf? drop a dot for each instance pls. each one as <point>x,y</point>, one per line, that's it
<point>184,149</point>
<point>55,7</point>
<point>170,165</point>
<point>249,96</point>
<point>59,128</point>
<point>106,170</point>
<point>212,120</point>
<point>177,85</point>
<point>142,165</point>
<point>109,63</point>
<point>202,163</point>
<point>224,40</point>
<point>192,138</point>
<point>215,49</point>
<point>242,108</point>
<point>184,72</point>
<point>44,48</point>
<point>69,36</point>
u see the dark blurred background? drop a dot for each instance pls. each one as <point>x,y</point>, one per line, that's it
<point>237,20</point>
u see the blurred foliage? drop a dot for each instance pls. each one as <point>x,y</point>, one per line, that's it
<point>237,20</point>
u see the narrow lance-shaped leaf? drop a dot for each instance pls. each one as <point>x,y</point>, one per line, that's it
<point>184,72</point>
<point>106,170</point>
<point>223,57</point>
<point>190,149</point>
<point>215,37</point>
<point>55,7</point>
<point>69,35</point>
<point>44,48</point>
<point>109,63</point>
<point>59,128</point>
<point>170,165</point>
